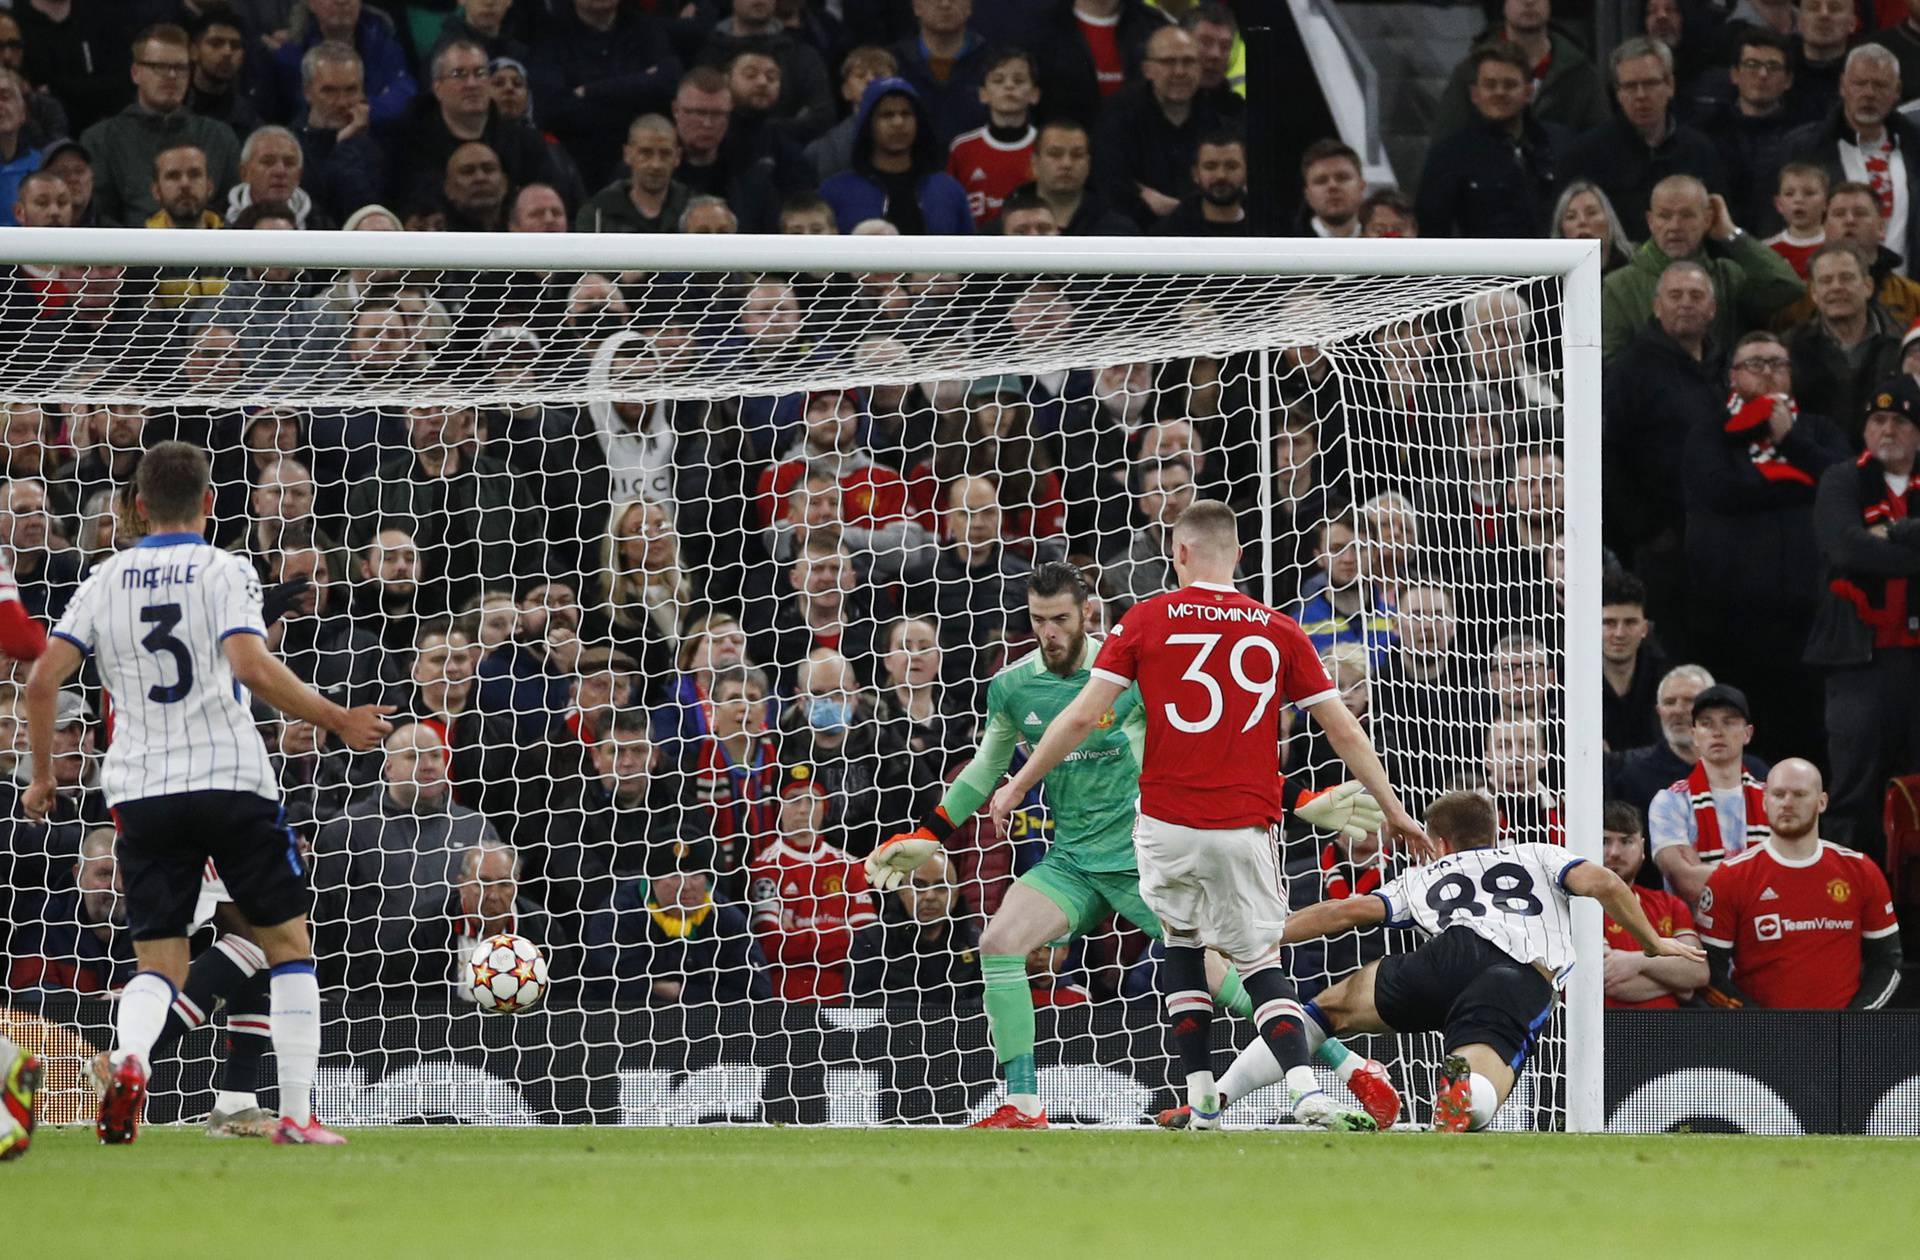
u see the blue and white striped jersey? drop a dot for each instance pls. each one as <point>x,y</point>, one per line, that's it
<point>1514,896</point>
<point>155,618</point>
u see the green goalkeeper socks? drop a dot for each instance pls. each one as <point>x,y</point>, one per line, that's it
<point>1009,1002</point>
<point>1233,996</point>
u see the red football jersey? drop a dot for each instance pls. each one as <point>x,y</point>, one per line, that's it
<point>1215,670</point>
<point>989,169</point>
<point>1795,927</point>
<point>1102,37</point>
<point>1669,916</point>
<point>806,907</point>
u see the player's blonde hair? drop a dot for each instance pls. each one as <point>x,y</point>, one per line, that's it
<point>1209,524</point>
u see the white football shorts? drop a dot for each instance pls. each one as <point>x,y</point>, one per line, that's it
<point>1216,888</point>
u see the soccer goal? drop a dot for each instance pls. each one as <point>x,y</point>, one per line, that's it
<point>685,561</point>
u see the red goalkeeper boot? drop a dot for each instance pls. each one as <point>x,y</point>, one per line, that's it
<point>1370,1085</point>
<point>1011,1117</point>
<point>20,1085</point>
<point>1453,1105</point>
<point>123,1096</point>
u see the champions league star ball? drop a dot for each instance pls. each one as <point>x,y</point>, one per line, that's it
<point>506,975</point>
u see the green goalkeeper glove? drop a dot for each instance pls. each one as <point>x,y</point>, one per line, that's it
<point>1348,808</point>
<point>895,861</point>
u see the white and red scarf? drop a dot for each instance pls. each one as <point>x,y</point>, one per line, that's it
<point>1707,840</point>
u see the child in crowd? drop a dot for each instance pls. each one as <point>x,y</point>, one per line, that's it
<point>1802,201</point>
<point>993,160</point>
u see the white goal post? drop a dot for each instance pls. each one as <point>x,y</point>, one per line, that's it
<point>1381,353</point>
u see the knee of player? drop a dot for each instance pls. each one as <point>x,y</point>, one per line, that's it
<point>1001,937</point>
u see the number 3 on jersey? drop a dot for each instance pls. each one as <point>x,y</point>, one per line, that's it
<point>163,618</point>
<point>1264,689</point>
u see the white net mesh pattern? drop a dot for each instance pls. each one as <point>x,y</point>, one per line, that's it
<point>546,515</point>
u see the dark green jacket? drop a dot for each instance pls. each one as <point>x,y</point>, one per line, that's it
<point>612,210</point>
<point>474,530</point>
<point>1750,283</point>
<point>123,149</point>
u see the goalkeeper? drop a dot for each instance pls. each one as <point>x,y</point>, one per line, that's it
<point>1089,871</point>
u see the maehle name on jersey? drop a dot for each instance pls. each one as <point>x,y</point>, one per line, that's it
<point>155,576</point>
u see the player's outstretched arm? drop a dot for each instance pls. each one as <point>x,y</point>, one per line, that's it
<point>50,673</point>
<point>1064,734</point>
<point>359,728</point>
<point>1590,879</point>
<point>1348,739</point>
<point>1329,918</point>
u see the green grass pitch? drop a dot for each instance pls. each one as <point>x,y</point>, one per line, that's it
<point>756,1194</point>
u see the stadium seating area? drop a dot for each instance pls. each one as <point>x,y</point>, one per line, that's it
<point>649,658</point>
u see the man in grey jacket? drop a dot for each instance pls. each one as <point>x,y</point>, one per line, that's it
<point>390,862</point>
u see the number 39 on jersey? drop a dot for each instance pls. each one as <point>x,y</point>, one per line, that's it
<point>1215,670</point>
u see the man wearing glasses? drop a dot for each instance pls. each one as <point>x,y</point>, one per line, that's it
<point>124,147</point>
<point>462,88</point>
<point>1749,129</point>
<point>1750,481</point>
<point>1149,132</point>
<point>1631,152</point>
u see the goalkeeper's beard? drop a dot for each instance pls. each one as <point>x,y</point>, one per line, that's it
<point>1070,655</point>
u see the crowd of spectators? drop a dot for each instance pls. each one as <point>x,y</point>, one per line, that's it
<point>665,671</point>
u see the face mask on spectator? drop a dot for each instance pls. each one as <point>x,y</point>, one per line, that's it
<point>828,713</point>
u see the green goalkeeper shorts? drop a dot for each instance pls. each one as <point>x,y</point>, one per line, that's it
<point>1086,897</point>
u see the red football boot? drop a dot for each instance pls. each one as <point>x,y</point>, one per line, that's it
<point>123,1096</point>
<point>1453,1105</point>
<point>1011,1117</point>
<point>1375,1092</point>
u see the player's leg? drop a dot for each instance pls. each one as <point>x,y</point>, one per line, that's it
<point>1174,864</point>
<point>1037,909</point>
<point>1345,1007</point>
<point>236,1078</point>
<point>1366,1079</point>
<point>160,870</point>
<point>1474,1081</point>
<point>232,970</point>
<point>1225,888</point>
<point>1491,1028</point>
<point>22,1075</point>
<point>262,868</point>
<point>249,1033</point>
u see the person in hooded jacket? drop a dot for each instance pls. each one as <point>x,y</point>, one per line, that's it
<point>898,171</point>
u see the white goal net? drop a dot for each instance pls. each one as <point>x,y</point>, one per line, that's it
<point>685,563</point>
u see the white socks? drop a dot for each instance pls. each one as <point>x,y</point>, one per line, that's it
<point>295,1020</point>
<point>144,1004</point>
<point>1486,1101</point>
<point>1254,1068</point>
<point>1202,1094</point>
<point>1025,1104</point>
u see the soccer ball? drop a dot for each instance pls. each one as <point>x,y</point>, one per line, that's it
<point>506,974</point>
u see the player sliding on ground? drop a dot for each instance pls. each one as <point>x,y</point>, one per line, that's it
<point>175,627</point>
<point>1089,872</point>
<point>1214,670</point>
<point>1501,946</point>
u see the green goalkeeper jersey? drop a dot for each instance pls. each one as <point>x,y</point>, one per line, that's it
<point>1093,793</point>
